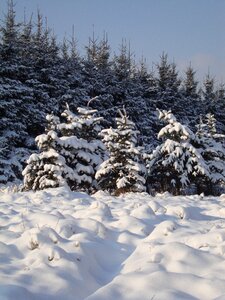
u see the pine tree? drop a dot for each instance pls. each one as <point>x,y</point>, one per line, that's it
<point>220,92</point>
<point>74,55</point>
<point>190,84</point>
<point>81,146</point>
<point>9,33</point>
<point>92,49</point>
<point>208,93</point>
<point>190,99</point>
<point>47,168</point>
<point>14,96</point>
<point>101,53</point>
<point>122,63</point>
<point>124,170</point>
<point>168,84</point>
<point>175,163</point>
<point>211,147</point>
<point>65,50</point>
<point>219,107</point>
<point>26,43</point>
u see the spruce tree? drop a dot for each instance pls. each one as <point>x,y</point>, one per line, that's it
<point>211,147</point>
<point>47,168</point>
<point>209,94</point>
<point>190,99</point>
<point>190,84</point>
<point>81,146</point>
<point>175,163</point>
<point>123,63</point>
<point>9,34</point>
<point>123,171</point>
<point>14,96</point>
<point>168,83</point>
<point>219,107</point>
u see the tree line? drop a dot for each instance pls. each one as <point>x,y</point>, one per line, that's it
<point>76,152</point>
<point>39,75</point>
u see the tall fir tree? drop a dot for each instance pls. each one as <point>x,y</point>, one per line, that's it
<point>14,96</point>
<point>123,62</point>
<point>190,98</point>
<point>168,84</point>
<point>208,94</point>
<point>219,108</point>
<point>190,84</point>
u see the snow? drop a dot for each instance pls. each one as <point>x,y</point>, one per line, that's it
<point>57,244</point>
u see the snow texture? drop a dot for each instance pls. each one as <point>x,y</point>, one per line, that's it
<point>57,244</point>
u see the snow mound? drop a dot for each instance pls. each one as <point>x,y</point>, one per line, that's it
<point>142,212</point>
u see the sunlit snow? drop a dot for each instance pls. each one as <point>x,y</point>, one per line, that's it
<point>57,244</point>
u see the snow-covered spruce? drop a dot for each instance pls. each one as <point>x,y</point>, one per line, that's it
<point>47,168</point>
<point>124,170</point>
<point>81,146</point>
<point>66,158</point>
<point>176,163</point>
<point>211,146</point>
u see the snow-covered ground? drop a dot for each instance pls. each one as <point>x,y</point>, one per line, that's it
<point>57,244</point>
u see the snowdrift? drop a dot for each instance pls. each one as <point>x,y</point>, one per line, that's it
<point>57,244</point>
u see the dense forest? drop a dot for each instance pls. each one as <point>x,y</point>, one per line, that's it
<point>40,75</point>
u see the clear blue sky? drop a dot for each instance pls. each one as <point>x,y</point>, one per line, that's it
<point>188,30</point>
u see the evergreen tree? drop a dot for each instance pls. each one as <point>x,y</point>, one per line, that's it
<point>219,107</point>
<point>190,84</point>
<point>168,84</point>
<point>74,55</point>
<point>92,49</point>
<point>122,63</point>
<point>14,96</point>
<point>47,168</point>
<point>220,92</point>
<point>103,54</point>
<point>190,99</point>
<point>175,163</point>
<point>213,151</point>
<point>9,34</point>
<point>81,146</point>
<point>26,48</point>
<point>65,50</point>
<point>208,94</point>
<point>124,170</point>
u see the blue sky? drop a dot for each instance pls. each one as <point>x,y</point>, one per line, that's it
<point>188,30</point>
